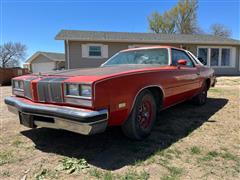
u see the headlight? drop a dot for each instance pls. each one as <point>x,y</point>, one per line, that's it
<point>72,89</point>
<point>86,91</point>
<point>18,85</point>
<point>79,90</point>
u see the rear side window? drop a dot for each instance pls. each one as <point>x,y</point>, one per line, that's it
<point>178,54</point>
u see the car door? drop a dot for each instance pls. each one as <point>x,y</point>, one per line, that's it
<point>186,77</point>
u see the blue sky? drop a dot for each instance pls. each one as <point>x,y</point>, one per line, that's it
<point>35,23</point>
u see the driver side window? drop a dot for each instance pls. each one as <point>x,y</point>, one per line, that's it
<point>177,55</point>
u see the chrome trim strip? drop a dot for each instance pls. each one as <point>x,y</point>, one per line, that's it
<point>17,89</point>
<point>78,101</point>
<point>81,128</point>
<point>84,128</point>
<point>18,92</point>
<point>78,97</point>
<point>75,114</point>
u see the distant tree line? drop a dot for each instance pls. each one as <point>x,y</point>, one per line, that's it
<point>182,19</point>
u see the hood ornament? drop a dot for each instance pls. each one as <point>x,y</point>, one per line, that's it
<point>40,75</point>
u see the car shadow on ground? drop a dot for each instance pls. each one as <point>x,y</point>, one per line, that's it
<point>111,150</point>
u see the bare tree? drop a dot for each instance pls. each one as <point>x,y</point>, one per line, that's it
<point>11,54</point>
<point>220,30</point>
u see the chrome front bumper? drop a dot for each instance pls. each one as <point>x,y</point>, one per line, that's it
<point>58,117</point>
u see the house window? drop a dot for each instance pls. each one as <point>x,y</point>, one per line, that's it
<point>214,57</point>
<point>203,53</point>
<point>217,56</point>
<point>95,51</point>
<point>225,57</point>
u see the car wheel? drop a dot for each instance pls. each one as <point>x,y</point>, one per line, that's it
<point>142,118</point>
<point>201,98</point>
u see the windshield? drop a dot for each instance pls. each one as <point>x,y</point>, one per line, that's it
<point>146,56</point>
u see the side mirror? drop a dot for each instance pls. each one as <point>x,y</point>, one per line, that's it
<point>202,61</point>
<point>182,62</point>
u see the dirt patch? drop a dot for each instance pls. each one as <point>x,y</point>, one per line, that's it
<point>188,142</point>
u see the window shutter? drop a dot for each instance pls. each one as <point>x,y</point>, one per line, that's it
<point>105,51</point>
<point>84,50</point>
<point>233,57</point>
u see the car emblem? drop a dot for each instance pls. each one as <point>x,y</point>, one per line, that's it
<point>40,75</point>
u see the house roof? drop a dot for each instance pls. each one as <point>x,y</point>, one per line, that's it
<point>102,36</point>
<point>51,55</point>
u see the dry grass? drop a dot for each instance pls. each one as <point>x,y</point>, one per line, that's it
<point>188,142</point>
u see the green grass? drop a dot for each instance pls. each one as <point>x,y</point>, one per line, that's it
<point>95,173</point>
<point>132,175</point>
<point>213,153</point>
<point>226,155</point>
<point>5,157</point>
<point>17,143</point>
<point>229,156</point>
<point>41,175</point>
<point>108,176</point>
<point>6,174</point>
<point>174,173</point>
<point>73,165</point>
<point>210,156</point>
<point>195,150</point>
<point>215,90</point>
<point>46,174</point>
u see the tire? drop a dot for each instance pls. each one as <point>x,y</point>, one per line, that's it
<point>142,118</point>
<point>201,98</point>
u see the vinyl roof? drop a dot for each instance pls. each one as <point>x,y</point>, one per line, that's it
<point>101,36</point>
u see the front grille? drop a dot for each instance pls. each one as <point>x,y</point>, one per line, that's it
<point>27,87</point>
<point>50,90</point>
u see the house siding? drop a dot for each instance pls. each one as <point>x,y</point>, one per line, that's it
<point>40,59</point>
<point>77,61</point>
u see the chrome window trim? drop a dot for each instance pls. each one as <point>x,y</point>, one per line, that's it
<point>184,51</point>
<point>168,49</point>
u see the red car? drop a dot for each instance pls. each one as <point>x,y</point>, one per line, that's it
<point>128,90</point>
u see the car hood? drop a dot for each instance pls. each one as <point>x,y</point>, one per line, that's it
<point>104,71</point>
<point>90,75</point>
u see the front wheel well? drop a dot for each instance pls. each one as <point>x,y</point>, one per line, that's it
<point>208,83</point>
<point>157,94</point>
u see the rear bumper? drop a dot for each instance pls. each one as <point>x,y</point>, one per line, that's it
<point>59,117</point>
